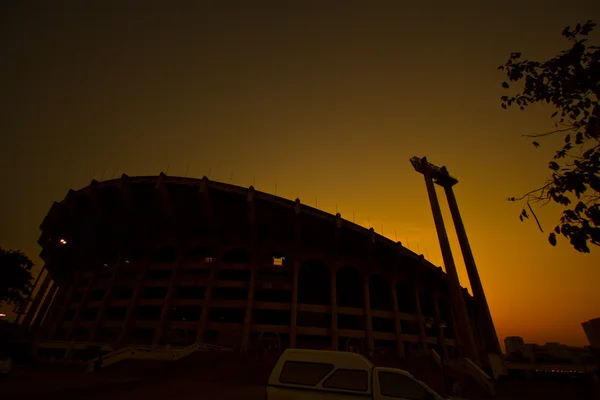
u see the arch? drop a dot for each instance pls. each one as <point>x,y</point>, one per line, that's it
<point>355,345</point>
<point>199,252</point>
<point>405,297</point>
<point>314,283</point>
<point>380,293</point>
<point>164,255</point>
<point>427,300</point>
<point>268,344</point>
<point>349,287</point>
<point>237,255</point>
<point>177,336</point>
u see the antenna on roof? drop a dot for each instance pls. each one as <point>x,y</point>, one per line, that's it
<point>114,173</point>
<point>102,176</point>
<point>168,166</point>
<point>407,245</point>
<point>186,170</point>
<point>209,169</point>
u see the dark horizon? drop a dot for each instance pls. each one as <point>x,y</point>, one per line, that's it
<point>325,102</point>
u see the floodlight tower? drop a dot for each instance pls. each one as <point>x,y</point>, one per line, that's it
<point>440,176</point>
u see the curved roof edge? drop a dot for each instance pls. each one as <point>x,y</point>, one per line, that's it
<point>263,195</point>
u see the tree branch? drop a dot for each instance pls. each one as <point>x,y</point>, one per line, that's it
<point>536,135</point>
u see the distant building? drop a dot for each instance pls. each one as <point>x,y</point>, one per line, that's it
<point>514,345</point>
<point>592,331</point>
<point>553,352</point>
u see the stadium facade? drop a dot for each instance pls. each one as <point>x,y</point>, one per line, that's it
<point>168,260</point>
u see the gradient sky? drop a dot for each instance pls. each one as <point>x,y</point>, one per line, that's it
<point>325,100</point>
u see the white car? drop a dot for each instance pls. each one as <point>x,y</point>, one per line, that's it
<point>335,375</point>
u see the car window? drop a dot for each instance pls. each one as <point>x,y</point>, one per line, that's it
<point>304,373</point>
<point>400,386</point>
<point>348,379</point>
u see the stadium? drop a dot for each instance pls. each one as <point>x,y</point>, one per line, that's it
<point>159,261</point>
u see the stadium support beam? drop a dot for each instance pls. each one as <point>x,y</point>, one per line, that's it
<point>430,173</point>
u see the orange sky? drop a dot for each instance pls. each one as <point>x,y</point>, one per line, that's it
<point>327,100</point>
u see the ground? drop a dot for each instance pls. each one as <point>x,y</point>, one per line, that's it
<point>49,384</point>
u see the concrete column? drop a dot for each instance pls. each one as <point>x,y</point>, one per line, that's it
<point>458,302</point>
<point>296,266</point>
<point>247,329</point>
<point>420,319</point>
<point>64,304</point>
<point>397,322</point>
<point>23,307</point>
<point>105,299</point>
<point>82,304</point>
<point>45,305</point>
<point>256,265</point>
<point>334,312</point>
<point>368,320</point>
<point>53,310</point>
<point>204,316</point>
<point>440,333</point>
<point>487,323</point>
<point>294,313</point>
<point>165,312</point>
<point>36,302</point>
<point>139,285</point>
<point>335,337</point>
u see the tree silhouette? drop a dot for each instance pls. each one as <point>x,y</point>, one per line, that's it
<point>571,83</point>
<point>15,276</point>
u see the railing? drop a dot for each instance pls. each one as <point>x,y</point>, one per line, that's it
<point>436,358</point>
<point>167,353</point>
<point>484,379</point>
<point>73,345</point>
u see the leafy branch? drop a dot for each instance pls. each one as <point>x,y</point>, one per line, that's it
<point>571,83</point>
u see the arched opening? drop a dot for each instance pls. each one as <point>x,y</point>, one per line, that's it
<point>384,349</point>
<point>349,288</point>
<point>446,318</point>
<point>237,256</point>
<point>355,345</point>
<point>164,255</point>
<point>314,283</point>
<point>269,345</point>
<point>405,293</point>
<point>380,294</point>
<point>199,254</point>
<point>427,300</point>
<point>178,337</point>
